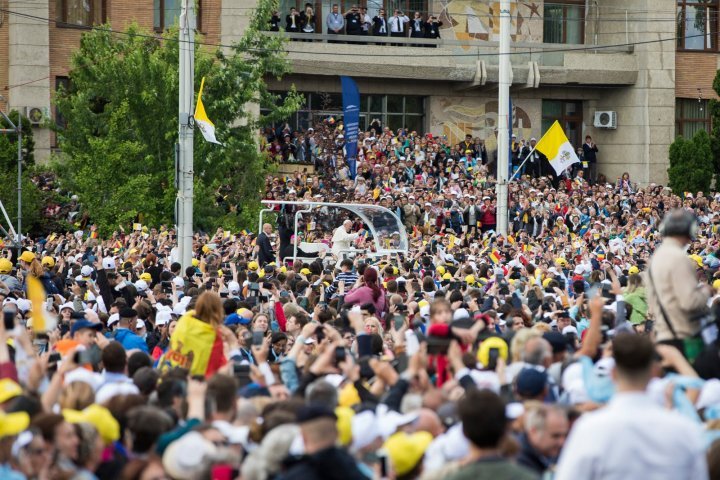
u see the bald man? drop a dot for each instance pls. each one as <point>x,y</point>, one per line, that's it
<point>266,254</point>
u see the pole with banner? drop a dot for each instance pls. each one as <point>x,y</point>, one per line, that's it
<point>351,119</point>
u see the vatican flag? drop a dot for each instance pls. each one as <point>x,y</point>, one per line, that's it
<point>556,147</point>
<point>201,119</point>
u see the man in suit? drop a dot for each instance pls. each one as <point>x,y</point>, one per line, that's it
<point>292,21</point>
<point>417,26</point>
<point>380,27</point>
<point>432,28</point>
<point>590,150</point>
<point>534,164</point>
<point>265,252</point>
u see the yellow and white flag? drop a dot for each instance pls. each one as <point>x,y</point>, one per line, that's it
<point>556,147</point>
<point>201,119</point>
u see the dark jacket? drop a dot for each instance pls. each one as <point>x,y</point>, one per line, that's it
<point>530,458</point>
<point>266,253</point>
<point>432,30</point>
<point>377,24</point>
<point>589,153</point>
<point>417,28</point>
<point>329,464</point>
<point>353,24</point>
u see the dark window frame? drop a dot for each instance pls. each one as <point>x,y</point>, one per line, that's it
<point>565,119</point>
<point>681,119</point>
<point>159,23</point>
<point>712,9</point>
<point>61,13</point>
<point>565,4</point>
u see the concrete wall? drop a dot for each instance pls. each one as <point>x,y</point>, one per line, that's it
<point>28,64</point>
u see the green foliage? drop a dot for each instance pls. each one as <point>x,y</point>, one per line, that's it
<point>691,164</point>
<point>33,198</point>
<point>121,111</point>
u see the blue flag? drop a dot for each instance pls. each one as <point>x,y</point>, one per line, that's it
<point>351,118</point>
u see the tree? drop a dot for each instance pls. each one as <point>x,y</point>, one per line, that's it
<point>121,111</point>
<point>691,164</point>
<point>32,196</point>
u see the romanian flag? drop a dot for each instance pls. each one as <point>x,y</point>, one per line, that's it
<point>246,232</point>
<point>207,128</point>
<point>194,345</point>
<point>36,294</point>
<point>494,256</point>
<point>94,234</point>
<point>511,240</point>
<point>118,244</point>
<point>556,147</point>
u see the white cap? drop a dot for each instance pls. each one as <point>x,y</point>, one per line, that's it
<point>139,324</point>
<point>66,305</point>
<point>163,316</point>
<point>179,282</point>
<point>86,270</point>
<point>233,287</point>
<point>570,329</point>
<point>365,429</point>
<point>108,263</point>
<point>23,304</point>
<point>179,309</point>
<point>115,317</point>
<point>141,285</point>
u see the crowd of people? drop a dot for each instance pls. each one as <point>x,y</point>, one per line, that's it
<point>582,344</point>
<point>357,21</point>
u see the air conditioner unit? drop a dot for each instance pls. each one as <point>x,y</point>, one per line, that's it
<point>605,120</point>
<point>36,115</point>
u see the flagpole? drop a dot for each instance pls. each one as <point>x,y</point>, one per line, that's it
<point>521,165</point>
<point>186,40</point>
<point>503,138</point>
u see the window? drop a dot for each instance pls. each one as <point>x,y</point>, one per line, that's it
<point>697,24</point>
<point>564,22</point>
<point>61,83</point>
<point>691,116</point>
<point>80,13</point>
<point>394,111</point>
<point>568,113</point>
<point>167,14</point>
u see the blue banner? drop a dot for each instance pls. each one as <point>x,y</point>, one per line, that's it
<point>351,119</point>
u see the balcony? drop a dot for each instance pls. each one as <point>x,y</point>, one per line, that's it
<point>471,62</point>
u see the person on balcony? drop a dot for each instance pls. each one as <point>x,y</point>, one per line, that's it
<point>334,21</point>
<point>432,28</point>
<point>292,21</point>
<point>307,19</point>
<point>380,27</point>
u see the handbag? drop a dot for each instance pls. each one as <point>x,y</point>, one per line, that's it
<point>693,346</point>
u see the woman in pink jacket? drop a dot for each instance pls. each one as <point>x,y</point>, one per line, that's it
<point>369,291</point>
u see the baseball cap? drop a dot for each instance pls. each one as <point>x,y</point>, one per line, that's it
<point>9,389</point>
<point>146,277</point>
<point>163,316</point>
<point>5,266</point>
<point>406,450</point>
<point>12,424</point>
<point>27,256</point>
<point>86,271</point>
<point>80,324</point>
<point>141,285</point>
<point>531,382</point>
<point>99,417</point>
<point>113,318</point>
<point>108,263</point>
<point>48,261</point>
<point>139,324</point>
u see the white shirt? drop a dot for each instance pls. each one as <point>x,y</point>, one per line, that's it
<point>633,438</point>
<point>397,24</point>
<point>342,240</point>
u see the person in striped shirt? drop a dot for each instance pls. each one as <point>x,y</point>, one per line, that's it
<point>346,275</point>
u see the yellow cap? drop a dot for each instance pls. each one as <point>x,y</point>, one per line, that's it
<point>470,279</point>
<point>348,396</point>
<point>406,450</point>
<point>205,249</point>
<point>423,303</point>
<point>305,271</point>
<point>283,269</point>
<point>48,261</point>
<point>546,282</point>
<point>716,284</point>
<point>483,354</point>
<point>5,266</point>
<point>344,424</point>
<point>195,262</point>
<point>9,389</point>
<point>99,417</point>
<point>27,257</point>
<point>133,251</point>
<point>146,276</point>
<point>633,270</point>
<point>697,258</point>
<point>253,265</point>
<point>261,274</point>
<point>440,270</point>
<point>561,262</point>
<point>395,271</point>
<point>447,276</point>
<point>12,424</point>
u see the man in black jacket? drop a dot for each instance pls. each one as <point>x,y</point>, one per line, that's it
<point>322,458</point>
<point>380,27</point>
<point>353,22</point>
<point>292,21</point>
<point>546,428</point>
<point>265,252</point>
<point>432,27</point>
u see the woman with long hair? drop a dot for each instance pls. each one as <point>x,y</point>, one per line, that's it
<point>368,291</point>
